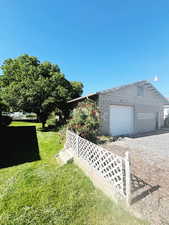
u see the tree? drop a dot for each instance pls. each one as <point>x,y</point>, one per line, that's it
<point>85,120</point>
<point>3,107</point>
<point>77,89</point>
<point>4,120</point>
<point>31,86</point>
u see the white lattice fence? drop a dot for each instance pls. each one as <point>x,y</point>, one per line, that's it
<point>71,141</point>
<point>114,169</point>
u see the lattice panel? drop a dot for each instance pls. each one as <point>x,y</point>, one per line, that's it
<point>104,162</point>
<point>71,141</point>
<point>107,164</point>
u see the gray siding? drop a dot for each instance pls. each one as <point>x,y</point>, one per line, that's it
<point>146,108</point>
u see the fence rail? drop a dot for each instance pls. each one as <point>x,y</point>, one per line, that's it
<point>114,169</point>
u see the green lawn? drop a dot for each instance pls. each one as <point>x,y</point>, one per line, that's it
<point>45,193</point>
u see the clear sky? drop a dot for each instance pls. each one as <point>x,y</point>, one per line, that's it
<point>102,43</point>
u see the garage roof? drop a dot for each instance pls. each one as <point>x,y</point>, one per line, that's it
<point>82,97</point>
<point>139,83</point>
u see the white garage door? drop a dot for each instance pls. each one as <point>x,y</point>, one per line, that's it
<point>121,120</point>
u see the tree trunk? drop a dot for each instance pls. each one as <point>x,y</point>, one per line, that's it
<point>38,117</point>
<point>40,120</point>
<point>43,125</point>
<point>60,118</point>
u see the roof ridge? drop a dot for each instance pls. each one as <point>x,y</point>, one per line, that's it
<point>144,82</point>
<point>123,86</point>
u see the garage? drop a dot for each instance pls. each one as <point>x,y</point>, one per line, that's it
<point>129,109</point>
<point>121,120</point>
<point>150,119</point>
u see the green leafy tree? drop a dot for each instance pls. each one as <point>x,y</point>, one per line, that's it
<point>85,120</point>
<point>4,120</point>
<point>31,86</point>
<point>3,107</point>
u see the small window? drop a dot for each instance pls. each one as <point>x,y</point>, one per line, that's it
<point>140,91</point>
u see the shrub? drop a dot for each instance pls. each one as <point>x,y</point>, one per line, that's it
<point>51,121</point>
<point>85,120</point>
<point>62,133</point>
<point>5,121</point>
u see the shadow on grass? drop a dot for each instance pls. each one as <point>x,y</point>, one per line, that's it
<point>18,145</point>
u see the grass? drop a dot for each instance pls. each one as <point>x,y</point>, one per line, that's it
<point>45,193</point>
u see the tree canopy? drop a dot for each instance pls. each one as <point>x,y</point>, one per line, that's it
<point>33,86</point>
<point>3,107</point>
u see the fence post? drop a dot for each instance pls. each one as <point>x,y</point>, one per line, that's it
<point>128,178</point>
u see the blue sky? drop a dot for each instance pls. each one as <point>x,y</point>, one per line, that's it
<point>100,43</point>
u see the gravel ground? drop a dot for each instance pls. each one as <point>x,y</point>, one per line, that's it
<point>150,174</point>
<point>154,146</point>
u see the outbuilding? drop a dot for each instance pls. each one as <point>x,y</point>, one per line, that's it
<point>166,110</point>
<point>129,109</point>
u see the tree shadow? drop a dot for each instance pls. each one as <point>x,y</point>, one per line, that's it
<point>137,184</point>
<point>18,145</point>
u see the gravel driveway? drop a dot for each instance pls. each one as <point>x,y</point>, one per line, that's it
<point>154,146</point>
<point>150,174</point>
